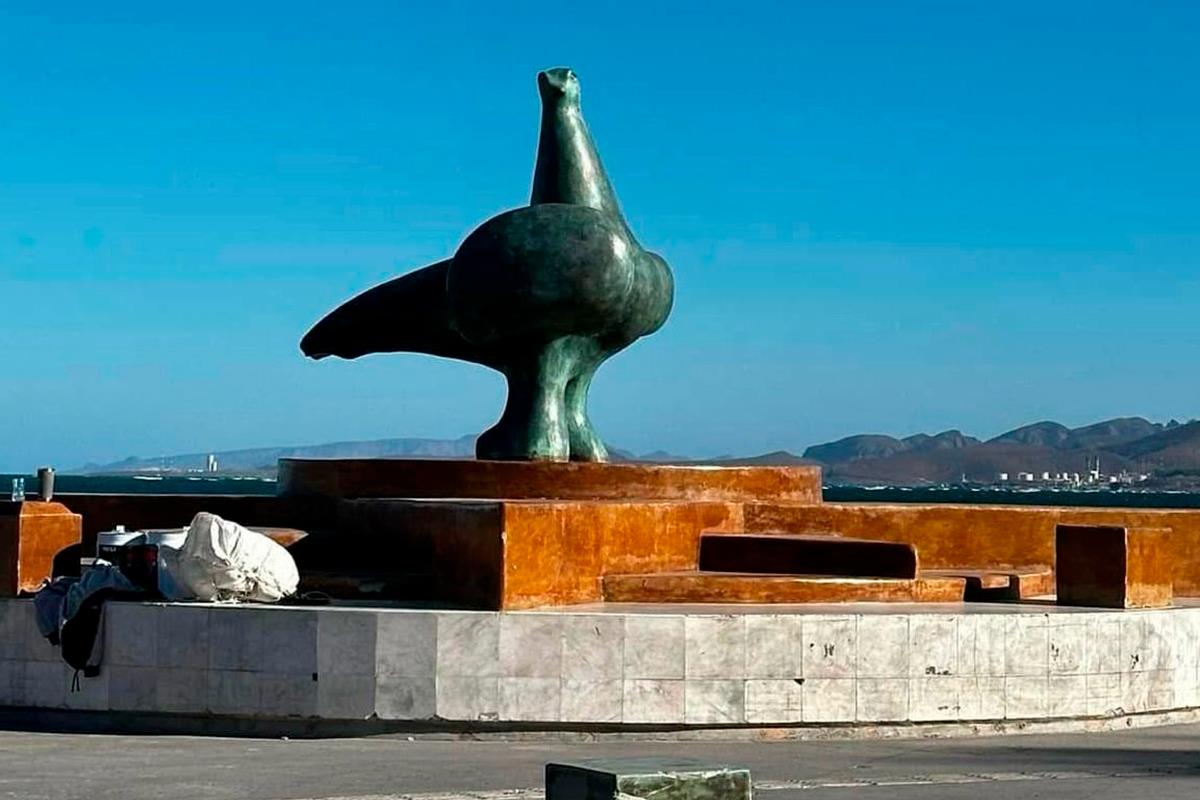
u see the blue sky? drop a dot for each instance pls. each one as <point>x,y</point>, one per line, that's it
<point>889,217</point>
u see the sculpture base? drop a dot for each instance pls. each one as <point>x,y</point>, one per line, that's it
<point>511,534</point>
<point>551,480</point>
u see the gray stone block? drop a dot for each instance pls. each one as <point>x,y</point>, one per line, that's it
<point>657,778</point>
<point>12,683</point>
<point>1104,651</point>
<point>714,702</point>
<point>883,647</point>
<point>531,646</point>
<point>1026,697</point>
<point>715,647</point>
<point>774,700</point>
<point>829,699</point>
<point>1104,693</point>
<point>654,647</point>
<point>182,636</point>
<point>181,689</point>
<point>289,642</point>
<point>593,648</point>
<point>15,616</point>
<point>530,699</point>
<point>406,645</point>
<point>1068,644</point>
<point>591,700</point>
<point>1067,696</point>
<point>236,638</point>
<point>652,701</point>
<point>405,697</point>
<point>933,645</point>
<point>287,694</point>
<point>341,696</point>
<point>468,644</point>
<point>233,691</point>
<point>1026,646</point>
<point>830,648</point>
<point>468,699</point>
<point>134,688</point>
<point>47,683</point>
<point>981,697</point>
<point>934,698</point>
<point>132,634</point>
<point>882,699</point>
<point>773,644</point>
<point>346,642</point>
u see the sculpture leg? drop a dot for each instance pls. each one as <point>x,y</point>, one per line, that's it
<point>533,426</point>
<point>586,444</point>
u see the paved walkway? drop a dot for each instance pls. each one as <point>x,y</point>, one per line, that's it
<point>1159,763</point>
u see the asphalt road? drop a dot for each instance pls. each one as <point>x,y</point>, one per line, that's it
<point>1151,763</point>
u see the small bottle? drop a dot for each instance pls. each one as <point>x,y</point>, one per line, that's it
<point>18,490</point>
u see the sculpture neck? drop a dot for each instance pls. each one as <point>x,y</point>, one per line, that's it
<point>568,167</point>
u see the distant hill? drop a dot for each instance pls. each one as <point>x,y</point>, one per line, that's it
<point>262,460</point>
<point>1171,448</point>
<point>779,458</point>
<point>877,446</point>
<point>1130,444</point>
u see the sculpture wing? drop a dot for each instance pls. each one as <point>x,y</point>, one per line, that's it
<point>406,314</point>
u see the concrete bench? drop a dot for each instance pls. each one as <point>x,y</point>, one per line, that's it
<point>1113,567</point>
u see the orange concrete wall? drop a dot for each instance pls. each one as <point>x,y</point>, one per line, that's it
<point>982,536</point>
<point>557,552</point>
<point>32,534</point>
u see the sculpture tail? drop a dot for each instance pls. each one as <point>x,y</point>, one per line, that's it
<point>406,314</point>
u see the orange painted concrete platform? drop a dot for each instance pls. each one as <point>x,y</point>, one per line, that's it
<point>731,587</point>
<point>520,535</point>
<point>547,480</point>
<point>32,534</point>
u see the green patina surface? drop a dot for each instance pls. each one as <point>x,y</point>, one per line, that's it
<point>657,778</point>
<point>544,294</point>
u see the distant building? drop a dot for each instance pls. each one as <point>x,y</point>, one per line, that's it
<point>210,464</point>
<point>1045,476</point>
<point>1025,476</point>
<point>1003,477</point>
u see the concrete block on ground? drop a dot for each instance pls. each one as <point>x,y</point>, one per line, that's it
<point>635,778</point>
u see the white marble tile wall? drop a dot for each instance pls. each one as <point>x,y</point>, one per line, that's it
<point>616,668</point>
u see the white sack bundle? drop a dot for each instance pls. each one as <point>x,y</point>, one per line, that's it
<point>221,560</point>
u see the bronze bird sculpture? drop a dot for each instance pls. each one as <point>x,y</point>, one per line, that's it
<point>543,294</point>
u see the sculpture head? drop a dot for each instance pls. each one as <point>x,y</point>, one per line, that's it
<point>557,85</point>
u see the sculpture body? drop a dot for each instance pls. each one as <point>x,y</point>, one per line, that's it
<point>543,294</point>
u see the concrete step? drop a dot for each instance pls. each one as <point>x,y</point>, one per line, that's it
<point>1000,584</point>
<point>791,554</point>
<point>695,586</point>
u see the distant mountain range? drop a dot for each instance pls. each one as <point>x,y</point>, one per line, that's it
<point>1126,444</point>
<point>262,460</point>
